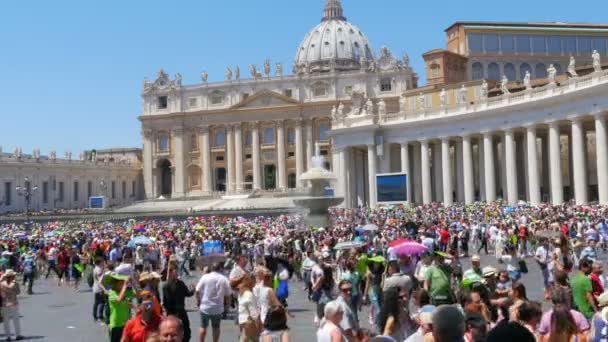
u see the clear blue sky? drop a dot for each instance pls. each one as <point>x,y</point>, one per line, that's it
<point>71,72</point>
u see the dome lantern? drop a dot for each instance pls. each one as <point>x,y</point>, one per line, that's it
<point>333,10</point>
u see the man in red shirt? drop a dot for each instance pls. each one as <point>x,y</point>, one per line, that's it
<point>596,283</point>
<point>63,262</point>
<point>444,235</point>
<point>146,322</point>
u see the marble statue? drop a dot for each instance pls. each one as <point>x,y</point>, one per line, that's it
<point>53,155</point>
<point>402,103</point>
<point>228,74</point>
<point>0,152</point>
<point>340,112</point>
<point>462,95</point>
<point>527,80</point>
<point>178,79</point>
<point>597,64</point>
<point>406,60</point>
<point>551,72</point>
<point>504,82</point>
<point>65,155</point>
<point>334,113</point>
<point>317,149</point>
<point>106,159</point>
<point>372,66</point>
<point>267,68</point>
<point>83,156</point>
<point>422,101</point>
<point>369,107</point>
<point>237,73</point>
<point>147,84</point>
<point>572,67</point>
<point>484,89</point>
<point>204,76</point>
<point>254,72</point>
<point>17,153</point>
<point>36,154</point>
<point>443,97</point>
<point>381,108</point>
<point>279,71</point>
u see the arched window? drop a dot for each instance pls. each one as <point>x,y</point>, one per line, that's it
<point>194,176</point>
<point>291,136</point>
<point>477,71</point>
<point>522,70</point>
<point>193,142</point>
<point>220,137</point>
<point>291,181</point>
<point>323,131</point>
<point>493,71</point>
<point>269,135</point>
<point>163,143</point>
<point>540,70</point>
<point>510,71</point>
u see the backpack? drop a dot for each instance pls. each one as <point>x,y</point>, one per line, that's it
<point>28,266</point>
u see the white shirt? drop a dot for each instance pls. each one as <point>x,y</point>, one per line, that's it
<point>542,254</point>
<point>213,288</point>
<point>248,307</point>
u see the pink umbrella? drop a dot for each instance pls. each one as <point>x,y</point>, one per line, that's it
<point>398,242</point>
<point>409,248</point>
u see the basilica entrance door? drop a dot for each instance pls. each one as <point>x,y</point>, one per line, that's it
<point>270,177</point>
<point>166,178</point>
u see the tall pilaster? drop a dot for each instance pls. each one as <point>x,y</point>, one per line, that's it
<point>230,159</point>
<point>533,184</point>
<point>371,165</point>
<point>238,154</point>
<point>255,146</point>
<point>206,171</point>
<point>299,152</point>
<point>437,174</point>
<point>281,155</point>
<point>180,171</point>
<point>557,189</point>
<point>488,160</point>
<point>511,167</point>
<point>467,167</point>
<point>405,168</point>
<point>148,157</point>
<point>446,168</point>
<point>344,155</point>
<point>425,171</point>
<point>310,144</point>
<point>602,158</point>
<point>578,159</point>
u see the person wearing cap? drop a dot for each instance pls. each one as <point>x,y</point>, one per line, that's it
<point>473,274</point>
<point>599,321</point>
<point>437,280</point>
<point>424,318</point>
<point>119,299</point>
<point>9,290</point>
<point>175,293</point>
<point>144,323</point>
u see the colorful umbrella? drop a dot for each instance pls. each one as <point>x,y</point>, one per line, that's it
<point>398,242</point>
<point>410,248</point>
<point>349,245</point>
<point>370,227</point>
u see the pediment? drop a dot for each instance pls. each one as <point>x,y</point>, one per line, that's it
<point>266,98</point>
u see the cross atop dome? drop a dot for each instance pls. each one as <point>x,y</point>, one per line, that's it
<point>333,10</point>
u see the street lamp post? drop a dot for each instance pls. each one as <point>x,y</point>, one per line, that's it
<point>27,191</point>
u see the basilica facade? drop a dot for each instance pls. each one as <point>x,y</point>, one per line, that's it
<point>474,132</point>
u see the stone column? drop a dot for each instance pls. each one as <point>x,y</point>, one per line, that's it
<point>579,161</point>
<point>180,171</point>
<point>310,144</point>
<point>602,158</point>
<point>437,174</point>
<point>533,184</point>
<point>488,160</point>
<point>371,165</point>
<point>148,157</point>
<point>206,170</point>
<point>405,168</point>
<point>467,167</point>
<point>458,171</point>
<point>480,170</point>
<point>299,152</point>
<point>446,168</point>
<point>281,155</point>
<point>238,152</point>
<point>425,172</point>
<point>511,167</point>
<point>343,179</point>
<point>255,146</point>
<point>230,159</point>
<point>555,157</point>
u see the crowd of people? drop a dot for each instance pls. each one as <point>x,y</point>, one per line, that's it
<point>384,274</point>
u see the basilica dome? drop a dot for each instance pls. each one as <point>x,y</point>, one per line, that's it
<point>333,44</point>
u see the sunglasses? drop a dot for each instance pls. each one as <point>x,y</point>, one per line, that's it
<point>349,289</point>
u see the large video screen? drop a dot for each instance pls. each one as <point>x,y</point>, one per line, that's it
<point>392,187</point>
<point>96,203</point>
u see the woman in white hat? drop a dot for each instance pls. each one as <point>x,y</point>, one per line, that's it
<point>9,290</point>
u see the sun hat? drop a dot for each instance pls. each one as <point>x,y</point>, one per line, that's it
<point>108,278</point>
<point>489,271</point>
<point>475,258</point>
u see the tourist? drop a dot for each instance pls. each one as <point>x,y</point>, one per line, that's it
<point>424,319</point>
<point>175,293</point>
<point>476,328</point>
<point>329,330</point>
<point>9,290</point>
<point>348,324</point>
<point>437,280</point>
<point>171,330</point>
<point>264,293</point>
<point>394,320</point>
<point>582,289</point>
<point>212,291</point>
<point>563,327</point>
<point>248,313</point>
<point>530,315</point>
<point>98,291</point>
<point>395,279</point>
<point>560,300</point>
<point>352,275</point>
<point>275,326</point>
<point>512,331</point>
<point>448,324</point>
<point>119,300</point>
<point>144,323</point>
<point>29,272</point>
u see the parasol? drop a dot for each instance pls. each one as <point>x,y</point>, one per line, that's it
<point>348,245</point>
<point>398,242</point>
<point>141,240</point>
<point>409,248</point>
<point>370,227</point>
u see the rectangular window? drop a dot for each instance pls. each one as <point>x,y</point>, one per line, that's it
<point>491,42</point>
<point>8,188</point>
<point>290,154</point>
<point>507,44</point>
<point>124,189</point>
<point>538,44</point>
<point>113,189</point>
<point>555,45</point>
<point>348,89</point>
<point>192,102</point>
<point>386,84</point>
<point>75,192</point>
<point>245,96</point>
<point>584,45</point>
<point>569,45</point>
<point>219,158</point>
<point>89,189</point>
<point>522,44</point>
<point>163,102</point>
<point>248,156</point>
<point>61,194</point>
<point>475,42</point>
<point>217,98</point>
<point>133,185</point>
<point>163,143</point>
<point>323,152</point>
<point>288,92</point>
<point>45,192</point>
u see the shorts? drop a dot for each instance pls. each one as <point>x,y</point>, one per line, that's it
<point>215,320</point>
